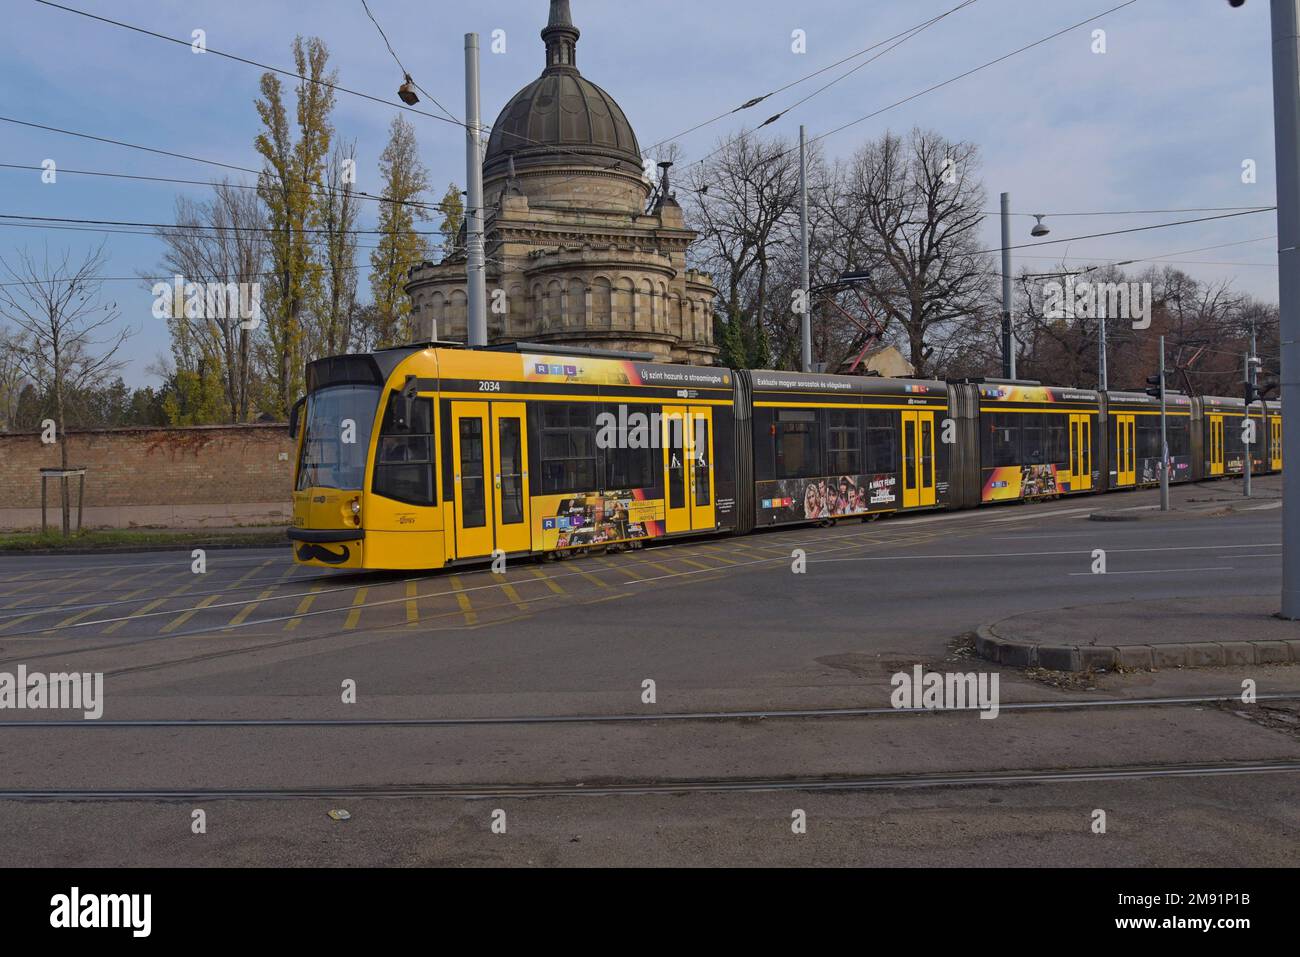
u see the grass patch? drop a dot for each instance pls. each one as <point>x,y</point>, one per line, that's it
<point>109,539</point>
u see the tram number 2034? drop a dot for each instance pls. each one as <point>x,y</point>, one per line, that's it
<point>485,386</point>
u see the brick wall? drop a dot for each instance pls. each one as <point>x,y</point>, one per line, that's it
<point>204,475</point>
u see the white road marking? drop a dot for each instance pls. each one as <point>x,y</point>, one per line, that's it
<point>1022,518</point>
<point>1163,548</point>
<point>1156,571</point>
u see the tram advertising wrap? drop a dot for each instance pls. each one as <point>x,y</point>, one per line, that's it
<point>429,455</point>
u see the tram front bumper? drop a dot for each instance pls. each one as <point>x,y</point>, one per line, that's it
<point>328,547</point>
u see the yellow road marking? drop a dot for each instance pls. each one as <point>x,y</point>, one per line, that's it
<point>596,601</point>
<point>412,606</point>
<point>462,599</point>
<point>77,617</point>
<point>663,568</point>
<point>695,564</point>
<point>513,595</point>
<point>303,605</point>
<point>248,609</point>
<point>542,576</point>
<point>185,616</point>
<point>147,608</point>
<point>592,578</point>
<point>354,615</point>
<point>714,549</point>
<point>253,571</point>
<point>18,621</point>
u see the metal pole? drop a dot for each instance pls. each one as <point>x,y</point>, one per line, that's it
<point>1164,436</point>
<point>1286,134</point>
<point>476,274</point>
<point>1008,334</point>
<point>1102,375</point>
<point>1246,428</point>
<point>805,325</point>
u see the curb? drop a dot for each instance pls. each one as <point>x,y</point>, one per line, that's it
<point>1182,654</point>
<point>137,549</point>
<point>1213,509</point>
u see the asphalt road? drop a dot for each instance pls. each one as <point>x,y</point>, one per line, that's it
<point>716,625</point>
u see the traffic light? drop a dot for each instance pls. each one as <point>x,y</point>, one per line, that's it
<point>1252,393</point>
<point>1156,384</point>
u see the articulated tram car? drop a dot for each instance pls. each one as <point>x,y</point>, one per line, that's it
<point>427,456</point>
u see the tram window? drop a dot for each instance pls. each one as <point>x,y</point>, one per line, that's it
<point>702,463</point>
<point>568,447</point>
<point>1179,435</point>
<point>1232,435</point>
<point>1148,437</point>
<point>1032,442</point>
<point>843,442</point>
<point>473,487</point>
<point>1003,440</point>
<point>512,468</point>
<point>404,459</point>
<point>796,440</point>
<point>1056,439</point>
<point>629,468</point>
<point>927,450</point>
<point>881,442</point>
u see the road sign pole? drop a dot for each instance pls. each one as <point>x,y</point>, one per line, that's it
<point>1286,135</point>
<point>1008,332</point>
<point>475,266</point>
<point>805,320</point>
<point>1164,436</point>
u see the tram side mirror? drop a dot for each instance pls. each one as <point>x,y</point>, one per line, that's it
<point>294,416</point>
<point>404,407</point>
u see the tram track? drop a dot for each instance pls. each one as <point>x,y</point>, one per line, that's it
<point>676,716</point>
<point>809,783</point>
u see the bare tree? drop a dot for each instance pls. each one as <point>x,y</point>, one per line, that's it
<point>338,252</point>
<point>12,379</point>
<point>68,338</point>
<point>923,202</point>
<point>744,200</point>
<point>220,242</point>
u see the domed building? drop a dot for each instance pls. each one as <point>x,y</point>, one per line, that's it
<point>568,236</point>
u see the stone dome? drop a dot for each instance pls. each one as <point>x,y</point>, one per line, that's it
<point>562,118</point>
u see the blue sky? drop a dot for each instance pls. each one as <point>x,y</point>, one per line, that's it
<point>1162,120</point>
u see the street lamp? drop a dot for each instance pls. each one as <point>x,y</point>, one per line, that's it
<point>1039,229</point>
<point>406,92</point>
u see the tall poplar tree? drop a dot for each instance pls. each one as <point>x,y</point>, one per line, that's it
<point>400,246</point>
<point>291,187</point>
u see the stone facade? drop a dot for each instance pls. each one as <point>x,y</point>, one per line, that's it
<point>573,256</point>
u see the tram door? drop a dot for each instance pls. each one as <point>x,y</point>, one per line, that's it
<point>688,468</point>
<point>1125,446</point>
<point>1215,455</point>
<point>1275,442</point>
<point>1080,452</point>
<point>918,458</point>
<point>490,472</point>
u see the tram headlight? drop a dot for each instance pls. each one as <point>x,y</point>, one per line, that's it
<point>352,511</point>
